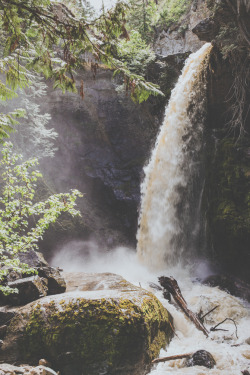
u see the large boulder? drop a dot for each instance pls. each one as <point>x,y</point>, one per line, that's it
<point>206,30</point>
<point>201,358</point>
<point>33,258</point>
<point>28,289</point>
<point>56,282</point>
<point>6,315</point>
<point>112,328</point>
<point>47,281</point>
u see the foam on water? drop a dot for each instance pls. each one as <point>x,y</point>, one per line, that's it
<point>230,359</point>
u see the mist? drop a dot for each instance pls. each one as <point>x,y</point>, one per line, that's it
<point>89,257</point>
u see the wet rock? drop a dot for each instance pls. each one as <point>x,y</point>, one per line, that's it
<point>206,30</point>
<point>44,362</point>
<point>3,330</point>
<point>247,341</point>
<point>12,275</point>
<point>246,354</point>
<point>6,316</point>
<point>29,289</point>
<point>33,259</point>
<point>112,328</point>
<point>10,369</point>
<point>7,369</point>
<point>43,370</point>
<point>201,358</point>
<point>56,282</point>
<point>231,284</point>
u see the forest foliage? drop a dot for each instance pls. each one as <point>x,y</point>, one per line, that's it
<point>233,41</point>
<point>146,16</point>
<point>23,218</point>
<point>46,37</point>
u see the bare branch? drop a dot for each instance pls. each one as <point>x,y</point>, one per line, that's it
<point>217,325</point>
<point>172,357</point>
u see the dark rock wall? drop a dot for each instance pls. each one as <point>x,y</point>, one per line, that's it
<point>226,202</point>
<point>104,141</point>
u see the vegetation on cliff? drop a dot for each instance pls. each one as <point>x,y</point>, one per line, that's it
<point>232,37</point>
<point>147,16</point>
<point>23,220</point>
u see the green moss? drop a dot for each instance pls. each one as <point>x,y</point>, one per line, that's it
<point>98,333</point>
<point>228,187</point>
<point>172,11</point>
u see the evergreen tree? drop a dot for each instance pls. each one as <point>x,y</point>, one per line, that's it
<point>46,37</point>
<point>141,18</point>
<point>33,136</point>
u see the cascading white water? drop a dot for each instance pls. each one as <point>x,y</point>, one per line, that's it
<point>169,169</point>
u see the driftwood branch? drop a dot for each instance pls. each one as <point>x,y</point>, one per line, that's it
<point>172,357</point>
<point>219,329</point>
<point>209,312</point>
<point>155,286</point>
<point>171,285</point>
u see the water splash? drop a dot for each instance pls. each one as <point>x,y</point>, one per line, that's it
<point>173,161</point>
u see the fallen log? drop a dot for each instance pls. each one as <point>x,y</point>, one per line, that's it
<point>172,357</point>
<point>171,285</point>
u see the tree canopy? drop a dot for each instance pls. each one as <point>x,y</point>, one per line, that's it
<point>46,37</point>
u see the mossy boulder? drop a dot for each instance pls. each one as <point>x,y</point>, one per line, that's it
<point>116,330</point>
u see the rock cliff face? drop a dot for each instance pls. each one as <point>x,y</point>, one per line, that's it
<point>227,160</point>
<point>103,144</point>
<point>226,197</point>
<point>180,38</point>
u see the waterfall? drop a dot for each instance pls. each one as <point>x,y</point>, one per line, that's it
<point>170,205</point>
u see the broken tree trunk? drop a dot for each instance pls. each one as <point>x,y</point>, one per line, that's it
<point>171,285</point>
<point>172,357</point>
